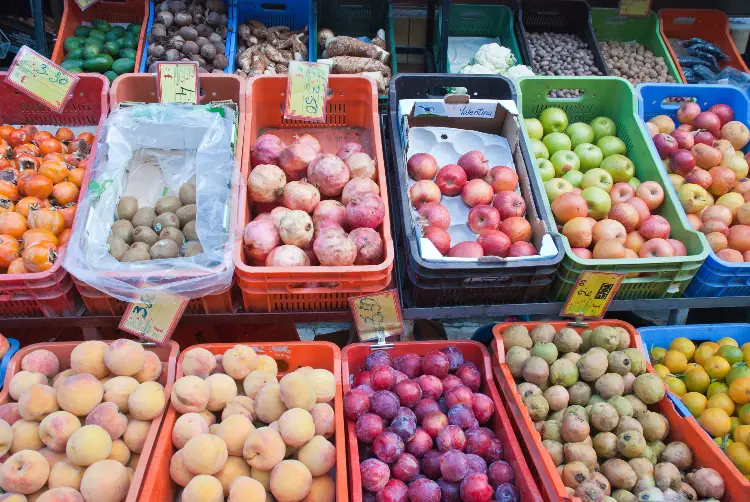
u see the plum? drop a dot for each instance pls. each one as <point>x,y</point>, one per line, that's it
<point>478,441</point>
<point>424,490</point>
<point>374,473</point>
<point>495,451</point>
<point>449,382</point>
<point>434,422</point>
<point>403,411</point>
<point>455,357</point>
<point>476,463</point>
<point>435,363</point>
<point>476,488</point>
<point>457,395</point>
<point>449,492</point>
<point>451,438</point>
<point>410,364</point>
<point>500,472</point>
<point>383,377</point>
<point>431,464</point>
<point>454,466</point>
<point>367,389</point>
<point>363,377</point>
<point>461,415</point>
<point>393,491</point>
<point>506,493</point>
<point>483,408</point>
<point>400,375</point>
<point>378,357</point>
<point>419,444</point>
<point>388,446</point>
<point>404,427</point>
<point>385,404</point>
<point>405,468</point>
<point>431,386</point>
<point>356,403</point>
<point>368,427</point>
<point>470,376</point>
<point>424,407</point>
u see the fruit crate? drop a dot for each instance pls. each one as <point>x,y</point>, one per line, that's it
<point>615,98</point>
<point>14,345</point>
<point>466,20</point>
<point>705,452</point>
<point>158,484</point>
<point>353,359</point>
<point>351,115</point>
<point>710,25</point>
<point>168,357</point>
<point>49,293</point>
<point>356,18</point>
<point>127,11</point>
<point>716,277</point>
<point>557,16</point>
<point>229,50</point>
<point>609,26</point>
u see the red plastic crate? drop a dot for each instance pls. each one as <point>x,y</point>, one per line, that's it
<point>58,300</point>
<point>353,359</point>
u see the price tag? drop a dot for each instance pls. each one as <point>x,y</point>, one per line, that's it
<point>154,317</point>
<point>41,79</point>
<point>177,82</point>
<point>592,294</point>
<point>306,90</point>
<point>377,316</point>
<point>634,8</point>
<point>85,4</point>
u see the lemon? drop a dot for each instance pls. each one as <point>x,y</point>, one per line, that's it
<point>738,371</point>
<point>683,345</point>
<point>741,433</point>
<point>739,454</point>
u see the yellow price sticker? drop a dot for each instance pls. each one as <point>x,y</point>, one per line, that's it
<point>41,79</point>
<point>592,294</point>
<point>177,82</point>
<point>634,8</point>
<point>154,317</point>
<point>307,88</point>
<point>377,315</point>
<point>85,4</point>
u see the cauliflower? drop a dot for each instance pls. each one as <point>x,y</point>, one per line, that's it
<point>476,69</point>
<point>516,72</point>
<point>496,57</point>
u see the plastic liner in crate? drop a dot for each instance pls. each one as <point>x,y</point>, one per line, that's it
<point>716,277</point>
<point>557,16</point>
<point>614,97</point>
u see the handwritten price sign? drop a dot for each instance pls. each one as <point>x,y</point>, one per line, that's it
<point>85,4</point>
<point>592,294</point>
<point>634,8</point>
<point>377,316</point>
<point>154,317</point>
<point>40,78</point>
<point>307,87</point>
<point>177,82</point>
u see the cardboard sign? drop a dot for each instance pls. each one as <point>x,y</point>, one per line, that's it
<point>634,8</point>
<point>85,4</point>
<point>306,90</point>
<point>154,317</point>
<point>377,316</point>
<point>40,78</point>
<point>592,294</point>
<point>177,82</point>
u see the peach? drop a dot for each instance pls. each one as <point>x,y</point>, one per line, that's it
<point>13,497</point>
<point>88,445</point>
<point>151,370</point>
<point>88,357</point>
<point>6,437</point>
<point>58,379</point>
<point>255,381</point>
<point>268,404</point>
<point>221,389</point>
<point>213,428</point>
<point>64,474</point>
<point>264,448</point>
<point>120,452</point>
<point>203,489</point>
<point>205,454</point>
<point>135,435</point>
<point>37,402</point>
<point>319,455</point>
<point>106,379</point>
<point>34,497</point>
<point>79,394</point>
<point>235,467</point>
<point>105,481</point>
<point>61,495</point>
<point>323,383</point>
<point>186,427</point>
<point>134,459</point>
<point>147,401</point>
<point>24,472</point>
<point>323,489</point>
<point>190,394</point>
<point>22,380</point>
<point>296,427</point>
<point>262,477</point>
<point>118,390</point>
<point>240,405</point>
<point>285,491</point>
<point>25,436</point>
<point>41,361</point>
<point>108,417</point>
<point>239,361</point>
<point>125,357</point>
<point>9,413</point>
<point>267,364</point>
<point>324,419</point>
<point>208,416</point>
<point>53,457</point>
<point>246,489</point>
<point>297,392</point>
<point>234,431</point>
<point>177,470</point>
<point>198,362</point>
<point>56,429</point>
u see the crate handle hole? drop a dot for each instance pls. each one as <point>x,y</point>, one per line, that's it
<point>675,101</point>
<point>684,20</point>
<point>616,20</point>
<point>547,13</point>
<point>443,136</point>
<point>557,95</point>
<point>329,287</point>
<point>273,6</point>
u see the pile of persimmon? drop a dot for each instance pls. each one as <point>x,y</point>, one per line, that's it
<point>40,179</point>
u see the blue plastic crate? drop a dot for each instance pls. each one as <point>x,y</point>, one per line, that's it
<point>295,14</point>
<point>14,346</point>
<point>716,277</point>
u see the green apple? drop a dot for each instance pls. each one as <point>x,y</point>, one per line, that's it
<point>575,177</point>
<point>546,169</point>
<point>540,151</point>
<point>590,156</point>
<point>553,120</point>
<point>611,145</point>
<point>557,141</point>
<point>597,177</point>
<point>564,161</point>
<point>556,187</point>
<point>620,167</point>
<point>634,182</point>
<point>598,202</point>
<point>693,197</point>
<point>534,128</point>
<point>580,133</point>
<point>603,126</point>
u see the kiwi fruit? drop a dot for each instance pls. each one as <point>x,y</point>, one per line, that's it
<point>187,194</point>
<point>542,333</point>
<point>517,336</point>
<point>141,245</point>
<point>165,220</point>
<point>186,213</point>
<point>619,473</point>
<point>145,234</point>
<point>144,217</point>
<point>172,233</point>
<point>117,247</point>
<point>167,204</point>
<point>189,231</point>
<point>127,207</point>
<point>165,248</point>
<point>124,230</point>
<point>135,254</point>
<point>679,454</point>
<point>190,248</point>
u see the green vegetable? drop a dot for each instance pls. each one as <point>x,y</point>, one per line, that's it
<point>123,66</point>
<point>69,64</point>
<point>111,48</point>
<point>83,31</point>
<point>91,51</point>
<point>97,34</point>
<point>110,75</point>
<point>93,41</point>
<point>119,30</point>
<point>127,53</point>
<point>101,25</point>
<point>98,64</point>
<point>111,36</point>
<point>129,41</point>
<point>72,43</point>
<point>74,54</point>
<point>135,29</point>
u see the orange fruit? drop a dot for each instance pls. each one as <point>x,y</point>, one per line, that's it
<point>657,354</point>
<point>683,345</point>
<point>717,367</point>
<point>697,380</point>
<point>731,353</point>
<point>695,403</point>
<point>722,401</point>
<point>675,361</point>
<point>739,454</point>
<point>703,354</point>
<point>739,390</point>
<point>676,385</point>
<point>744,414</point>
<point>717,388</point>
<point>741,434</point>
<point>715,421</point>
<point>727,340</point>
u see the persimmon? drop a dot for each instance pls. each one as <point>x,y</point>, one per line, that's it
<point>50,145</point>
<point>18,137</point>
<point>29,148</point>
<point>28,204</point>
<point>54,156</point>
<point>34,235</point>
<point>76,176</point>
<point>17,267</point>
<point>40,136</point>
<point>64,237</point>
<point>5,163</point>
<point>54,170</point>
<point>6,205</point>
<point>9,250</point>
<point>40,256</point>
<point>31,129</point>
<point>28,162</point>
<point>38,186</point>
<point>9,191</point>
<point>73,159</point>
<point>47,219</point>
<point>5,131</point>
<point>87,137</point>
<point>13,224</point>
<point>4,147</point>
<point>64,193</point>
<point>23,178</point>
<point>64,134</point>
<point>10,174</point>
<point>68,212</point>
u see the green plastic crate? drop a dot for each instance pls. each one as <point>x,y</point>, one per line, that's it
<point>644,30</point>
<point>614,97</point>
<point>492,21</point>
<point>356,19</point>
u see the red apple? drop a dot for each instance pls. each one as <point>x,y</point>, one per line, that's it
<point>439,238</point>
<point>608,229</point>
<point>700,177</point>
<point>640,206</point>
<point>609,249</point>
<point>582,253</point>
<point>655,227</point>
<point>722,179</point>
<point>634,241</point>
<point>715,226</point>
<point>424,191</point>
<point>729,254</point>
<point>621,192</point>
<point>451,179</point>
<point>477,192</point>
<point>717,212</point>
<point>704,138</point>
<point>685,127</point>
<point>509,204</point>
<point>494,243</point>
<point>706,156</point>
<point>502,178</point>
<point>685,139</point>
<point>483,217</point>
<point>708,121</point>
<point>651,193</point>
<point>678,247</point>
<point>568,206</point>
<point>435,215</point>
<point>724,112</point>
<point>522,248</point>
<point>475,164</point>
<point>466,249</point>
<point>682,162</point>
<point>687,112</point>
<point>516,228</point>
<point>656,248</point>
<point>422,166</point>
<point>625,214</point>
<point>665,144</point>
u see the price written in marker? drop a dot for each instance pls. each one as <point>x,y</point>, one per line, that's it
<point>307,88</point>
<point>177,82</point>
<point>40,78</point>
<point>85,4</point>
<point>592,294</point>
<point>377,316</point>
<point>154,317</point>
<point>634,8</point>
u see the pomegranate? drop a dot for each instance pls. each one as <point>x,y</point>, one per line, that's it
<point>330,210</point>
<point>329,174</point>
<point>277,213</point>
<point>294,160</point>
<point>439,238</point>
<point>435,215</point>
<point>348,149</point>
<point>300,195</point>
<point>287,256</point>
<point>422,166</point>
<point>357,185</point>
<point>370,249</point>
<point>307,139</point>
<point>687,112</point>
<point>296,228</point>
<point>494,243</point>
<point>365,210</point>
<point>267,150</point>
<point>708,121</point>
<point>266,183</point>
<point>324,225</point>
<point>361,166</point>
<point>334,248</point>
<point>260,238</point>
<point>475,164</point>
<point>466,249</point>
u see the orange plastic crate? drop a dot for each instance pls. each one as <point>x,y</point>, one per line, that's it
<point>351,115</point>
<point>158,486</point>
<point>127,11</point>
<point>167,356</point>
<point>353,361</point>
<point>705,452</point>
<point>710,25</point>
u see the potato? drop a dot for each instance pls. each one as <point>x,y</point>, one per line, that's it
<point>187,194</point>
<point>145,234</point>
<point>117,247</point>
<point>165,248</point>
<point>168,204</point>
<point>186,214</point>
<point>127,207</point>
<point>189,231</point>
<point>144,217</point>
<point>124,230</point>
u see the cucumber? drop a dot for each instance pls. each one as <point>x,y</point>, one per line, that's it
<point>97,34</point>
<point>110,75</point>
<point>74,54</point>
<point>129,41</point>
<point>118,30</point>
<point>135,29</point>
<point>111,48</point>
<point>93,41</point>
<point>123,65</point>
<point>69,64</point>
<point>83,31</point>
<point>101,25</point>
<point>72,43</point>
<point>91,51</point>
<point>127,53</point>
<point>98,64</point>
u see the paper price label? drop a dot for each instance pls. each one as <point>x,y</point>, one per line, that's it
<point>177,82</point>
<point>377,315</point>
<point>592,294</point>
<point>307,87</point>
<point>634,8</point>
<point>85,4</point>
<point>154,317</point>
<point>40,78</point>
